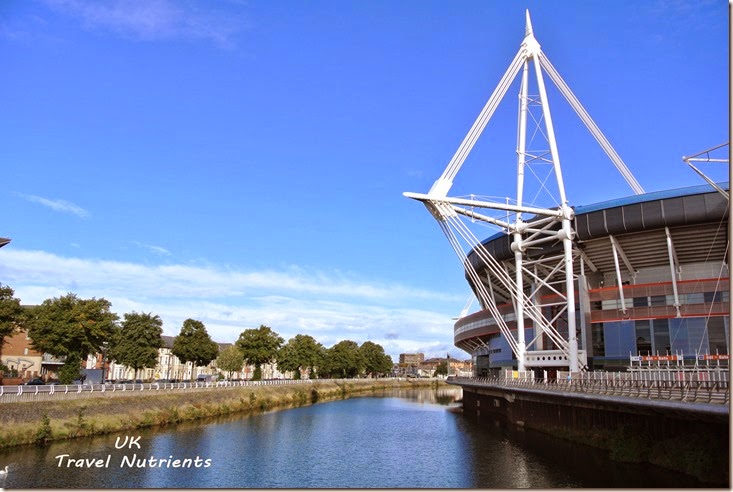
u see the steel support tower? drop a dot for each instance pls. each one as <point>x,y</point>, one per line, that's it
<point>523,282</point>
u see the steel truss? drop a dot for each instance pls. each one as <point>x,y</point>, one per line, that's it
<point>541,288</point>
<point>704,156</point>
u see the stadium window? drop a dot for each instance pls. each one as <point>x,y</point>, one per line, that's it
<point>717,336</point>
<point>659,300</point>
<point>619,338</point>
<point>694,298</point>
<point>713,297</point>
<point>643,337</point>
<point>641,301</point>
<point>689,335</point>
<point>660,336</point>
<point>599,346</point>
<point>610,304</point>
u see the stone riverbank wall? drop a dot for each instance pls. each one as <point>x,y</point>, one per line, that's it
<point>689,437</point>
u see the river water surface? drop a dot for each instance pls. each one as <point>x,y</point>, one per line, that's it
<point>401,439</point>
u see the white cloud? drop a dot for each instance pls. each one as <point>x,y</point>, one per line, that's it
<point>57,205</point>
<point>330,306</point>
<point>152,20</point>
<point>184,281</point>
<point>159,250</point>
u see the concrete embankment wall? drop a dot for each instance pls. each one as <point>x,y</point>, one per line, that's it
<point>44,421</point>
<point>691,438</point>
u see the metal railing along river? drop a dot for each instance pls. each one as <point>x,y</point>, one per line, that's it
<point>28,393</point>
<point>679,384</point>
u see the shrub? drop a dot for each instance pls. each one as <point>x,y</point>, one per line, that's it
<point>44,433</point>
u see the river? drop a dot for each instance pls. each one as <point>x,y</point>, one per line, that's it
<point>401,439</point>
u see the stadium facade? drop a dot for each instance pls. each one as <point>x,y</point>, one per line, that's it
<point>653,281</point>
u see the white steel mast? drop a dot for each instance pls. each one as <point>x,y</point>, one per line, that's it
<point>550,224</point>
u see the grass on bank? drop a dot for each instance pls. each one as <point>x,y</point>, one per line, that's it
<point>44,422</point>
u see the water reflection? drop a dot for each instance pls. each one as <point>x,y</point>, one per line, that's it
<point>504,456</point>
<point>398,439</point>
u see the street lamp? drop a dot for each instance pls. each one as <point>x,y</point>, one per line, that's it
<point>104,362</point>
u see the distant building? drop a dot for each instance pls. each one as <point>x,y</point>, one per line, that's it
<point>418,358</point>
<point>18,356</point>
<point>167,367</point>
<point>24,363</point>
<point>170,367</point>
<point>417,365</point>
<point>456,367</point>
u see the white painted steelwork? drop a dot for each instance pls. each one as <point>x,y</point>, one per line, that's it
<point>547,224</point>
<point>706,153</point>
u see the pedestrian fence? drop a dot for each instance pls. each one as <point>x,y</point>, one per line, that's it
<point>683,384</point>
<point>28,393</point>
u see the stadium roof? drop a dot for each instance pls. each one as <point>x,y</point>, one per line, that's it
<point>633,200</point>
<point>647,197</point>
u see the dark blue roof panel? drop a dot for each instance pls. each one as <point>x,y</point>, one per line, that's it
<point>667,208</point>
<point>648,197</point>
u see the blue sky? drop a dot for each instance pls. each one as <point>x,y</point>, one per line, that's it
<point>243,162</point>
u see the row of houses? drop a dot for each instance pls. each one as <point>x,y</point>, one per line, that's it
<point>418,366</point>
<point>24,364</point>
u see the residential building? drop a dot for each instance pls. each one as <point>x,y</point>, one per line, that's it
<point>412,358</point>
<point>18,356</point>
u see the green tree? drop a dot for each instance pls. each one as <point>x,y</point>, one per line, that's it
<point>442,369</point>
<point>11,315</point>
<point>344,360</point>
<point>301,352</point>
<point>230,359</point>
<point>71,370</point>
<point>376,362</point>
<point>67,325</point>
<point>193,344</point>
<point>259,346</point>
<point>137,342</point>
<point>322,369</point>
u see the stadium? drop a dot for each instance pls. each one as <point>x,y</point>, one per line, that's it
<point>642,279</point>
<point>653,281</point>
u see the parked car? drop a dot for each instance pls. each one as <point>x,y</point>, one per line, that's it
<point>35,382</point>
